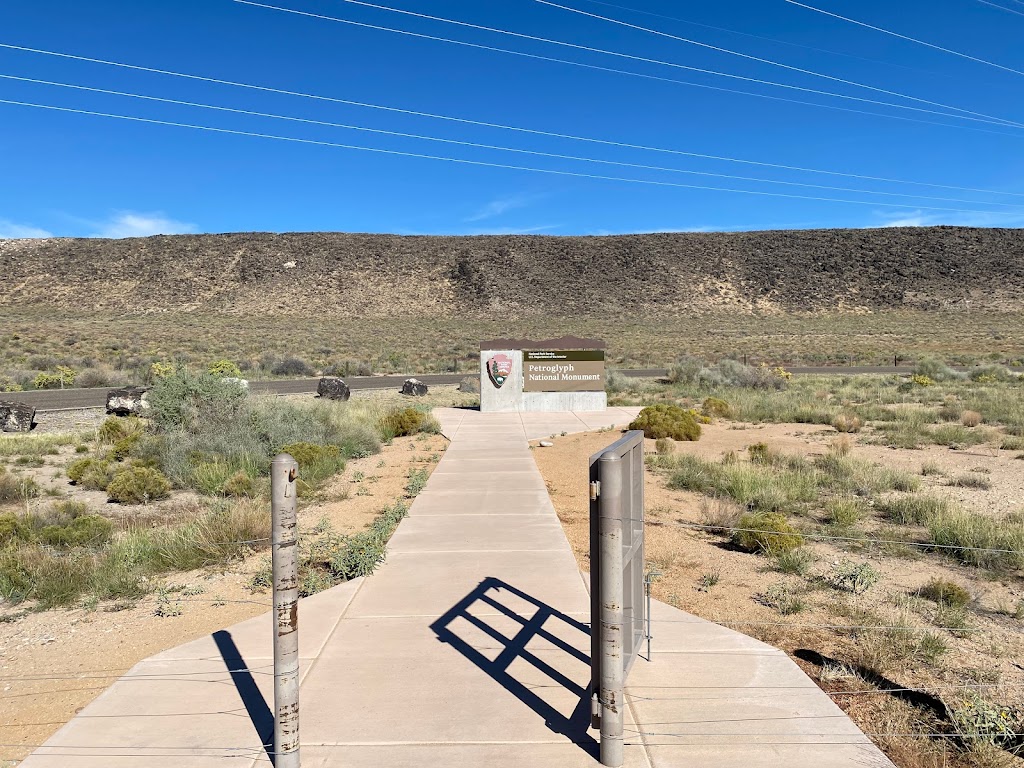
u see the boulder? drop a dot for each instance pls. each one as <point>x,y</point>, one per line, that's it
<point>16,417</point>
<point>240,383</point>
<point>128,401</point>
<point>333,388</point>
<point>414,387</point>
<point>470,384</point>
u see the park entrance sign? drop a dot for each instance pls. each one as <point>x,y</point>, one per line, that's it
<point>565,374</point>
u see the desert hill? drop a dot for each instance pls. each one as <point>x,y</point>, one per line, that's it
<point>520,276</point>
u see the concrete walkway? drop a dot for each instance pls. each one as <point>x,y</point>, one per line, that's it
<point>468,647</point>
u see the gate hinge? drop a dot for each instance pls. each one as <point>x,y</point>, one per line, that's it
<point>595,490</point>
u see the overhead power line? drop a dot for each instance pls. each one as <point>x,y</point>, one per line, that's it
<point>1001,8</point>
<point>975,117</point>
<point>480,145</point>
<point>906,37</point>
<point>500,126</point>
<point>741,55</point>
<point>486,164</point>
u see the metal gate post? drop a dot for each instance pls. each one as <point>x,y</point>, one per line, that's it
<point>283,473</point>
<point>612,661</point>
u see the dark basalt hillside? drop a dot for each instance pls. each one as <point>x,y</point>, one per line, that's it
<point>386,275</point>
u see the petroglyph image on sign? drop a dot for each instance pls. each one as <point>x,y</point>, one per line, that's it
<point>568,371</point>
<point>499,368</point>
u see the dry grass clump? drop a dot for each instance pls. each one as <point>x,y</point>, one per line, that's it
<point>848,422</point>
<point>665,446</point>
<point>970,418</point>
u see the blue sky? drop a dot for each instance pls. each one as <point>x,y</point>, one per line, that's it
<point>71,174</point>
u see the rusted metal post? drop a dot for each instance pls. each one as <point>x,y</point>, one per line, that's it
<point>612,662</point>
<point>283,474</point>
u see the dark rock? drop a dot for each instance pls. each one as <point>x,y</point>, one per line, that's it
<point>470,384</point>
<point>333,388</point>
<point>414,387</point>
<point>127,401</point>
<point>16,417</point>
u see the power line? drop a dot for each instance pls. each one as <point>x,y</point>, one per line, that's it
<point>906,37</point>
<point>1000,7</point>
<point>534,131</point>
<point>464,161</point>
<point>758,59</point>
<point>478,145</point>
<point>981,119</point>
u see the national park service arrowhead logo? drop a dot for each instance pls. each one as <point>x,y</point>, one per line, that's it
<point>499,368</point>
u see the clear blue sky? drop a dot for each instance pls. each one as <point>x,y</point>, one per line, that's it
<point>71,174</point>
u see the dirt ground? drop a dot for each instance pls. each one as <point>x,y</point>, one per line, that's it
<point>705,575</point>
<point>55,662</point>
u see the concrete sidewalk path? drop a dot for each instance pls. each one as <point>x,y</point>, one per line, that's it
<point>468,647</point>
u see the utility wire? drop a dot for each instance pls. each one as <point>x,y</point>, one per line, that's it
<point>906,37</point>
<point>520,129</point>
<point>758,59</point>
<point>1000,7</point>
<point>482,163</point>
<point>981,118</point>
<point>479,145</point>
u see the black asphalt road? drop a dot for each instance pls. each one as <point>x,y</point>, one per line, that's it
<point>59,399</point>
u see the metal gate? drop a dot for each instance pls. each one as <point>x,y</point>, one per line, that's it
<point>617,607</point>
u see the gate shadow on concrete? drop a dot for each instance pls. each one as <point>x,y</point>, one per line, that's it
<point>488,597</point>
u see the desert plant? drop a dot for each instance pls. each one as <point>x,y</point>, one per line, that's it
<point>782,598</point>
<point>292,366</point>
<point>7,384</point>
<point>970,418</point>
<point>930,468</point>
<point>664,420</point>
<point>224,369</point>
<point>160,370</point>
<point>63,377</point>
<point>846,511</point>
<point>914,510</point>
<point>853,577</point>
<point>716,406</point>
<point>766,532</point>
<point>138,485</point>
<point>401,422</point>
<point>946,592</point>
<point>795,561</point>
<point>239,484</point>
<point>980,540</point>
<point>416,482</point>
<point>971,480</point>
<point>664,446</point>
<point>848,422</point>
<point>935,370</point>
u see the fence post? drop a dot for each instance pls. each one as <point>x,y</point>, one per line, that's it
<point>283,474</point>
<point>612,661</point>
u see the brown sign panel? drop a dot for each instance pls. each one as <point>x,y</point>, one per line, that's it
<point>563,371</point>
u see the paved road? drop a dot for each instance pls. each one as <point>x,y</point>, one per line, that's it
<point>58,399</point>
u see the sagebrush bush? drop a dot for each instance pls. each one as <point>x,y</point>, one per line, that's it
<point>138,485</point>
<point>401,422</point>
<point>936,370</point>
<point>716,406</point>
<point>292,366</point>
<point>945,592</point>
<point>767,533</point>
<point>659,421</point>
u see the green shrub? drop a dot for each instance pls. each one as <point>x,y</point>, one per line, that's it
<point>115,428</point>
<point>980,540</point>
<point>936,370</point>
<point>945,592</point>
<point>796,561</point>
<point>665,446</point>
<point>14,528</point>
<point>138,485</point>
<point>716,406</point>
<point>224,369</point>
<point>16,488</point>
<point>97,476</point>
<point>658,421</point>
<point>160,370</point>
<point>182,399</point>
<point>845,512</point>
<point>767,533</point>
<point>402,422</point>
<point>854,577</point>
<point>64,377</point>
<point>239,484</point>
<point>316,463</point>
<point>914,510</point>
<point>86,530</point>
<point>77,468</point>
<point>7,384</point>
